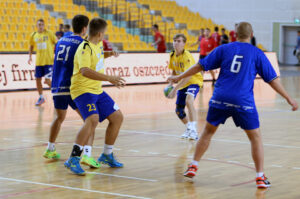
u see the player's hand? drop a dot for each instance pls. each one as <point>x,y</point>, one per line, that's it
<point>29,60</point>
<point>172,94</point>
<point>153,44</point>
<point>115,53</point>
<point>293,103</point>
<point>173,79</point>
<point>117,81</point>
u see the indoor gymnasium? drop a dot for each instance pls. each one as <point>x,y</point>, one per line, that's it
<point>158,99</point>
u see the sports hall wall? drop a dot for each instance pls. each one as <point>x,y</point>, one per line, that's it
<point>260,13</point>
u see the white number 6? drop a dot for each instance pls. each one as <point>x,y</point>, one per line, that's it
<point>236,65</point>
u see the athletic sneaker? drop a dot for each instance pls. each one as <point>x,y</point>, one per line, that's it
<point>40,101</point>
<point>90,161</point>
<point>110,160</point>
<point>51,154</point>
<point>191,171</point>
<point>73,164</point>
<point>262,182</point>
<point>186,134</point>
<point>193,135</point>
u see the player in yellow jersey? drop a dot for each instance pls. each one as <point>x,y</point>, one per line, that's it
<point>93,103</point>
<point>43,41</point>
<point>187,89</point>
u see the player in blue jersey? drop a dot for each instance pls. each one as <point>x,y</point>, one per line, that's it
<point>239,62</point>
<point>61,81</point>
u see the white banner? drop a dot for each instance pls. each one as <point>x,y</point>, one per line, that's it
<point>137,68</point>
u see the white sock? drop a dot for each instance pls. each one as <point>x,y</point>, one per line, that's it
<point>87,150</point>
<point>81,147</point>
<point>194,162</point>
<point>259,174</point>
<point>51,146</point>
<point>41,96</point>
<point>194,125</point>
<point>188,125</point>
<point>108,149</point>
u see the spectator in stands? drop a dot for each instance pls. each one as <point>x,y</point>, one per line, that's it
<point>224,37</point>
<point>201,35</point>
<point>207,45</point>
<point>216,36</point>
<point>59,34</point>
<point>232,34</point>
<point>159,40</point>
<point>67,30</point>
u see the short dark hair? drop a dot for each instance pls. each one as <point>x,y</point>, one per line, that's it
<point>207,29</point>
<point>79,22</point>
<point>67,26</point>
<point>223,29</point>
<point>155,26</point>
<point>216,28</point>
<point>180,35</point>
<point>41,20</point>
<point>96,25</point>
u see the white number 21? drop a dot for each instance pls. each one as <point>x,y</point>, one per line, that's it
<point>236,65</point>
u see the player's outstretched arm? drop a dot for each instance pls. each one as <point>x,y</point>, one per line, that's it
<point>91,74</point>
<point>191,71</point>
<point>277,86</point>
<point>180,84</point>
<point>108,54</point>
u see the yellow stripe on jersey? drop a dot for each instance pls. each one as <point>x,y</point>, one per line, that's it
<point>91,56</point>
<point>181,63</point>
<point>43,44</point>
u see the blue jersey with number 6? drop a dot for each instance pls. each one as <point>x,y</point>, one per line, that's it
<point>64,63</point>
<point>239,64</point>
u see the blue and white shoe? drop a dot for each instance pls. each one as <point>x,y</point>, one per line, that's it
<point>40,101</point>
<point>110,160</point>
<point>73,164</point>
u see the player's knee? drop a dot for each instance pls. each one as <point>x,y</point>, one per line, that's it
<point>117,118</point>
<point>92,120</point>
<point>60,118</point>
<point>180,111</point>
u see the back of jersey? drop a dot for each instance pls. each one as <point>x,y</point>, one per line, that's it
<point>64,63</point>
<point>240,63</point>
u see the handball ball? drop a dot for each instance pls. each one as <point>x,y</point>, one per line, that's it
<point>167,90</point>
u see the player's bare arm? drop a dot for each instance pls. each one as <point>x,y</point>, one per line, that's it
<point>277,86</point>
<point>30,54</point>
<point>115,80</point>
<point>180,84</point>
<point>191,71</point>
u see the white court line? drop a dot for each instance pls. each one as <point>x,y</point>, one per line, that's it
<point>231,161</point>
<point>297,168</point>
<point>127,177</point>
<point>72,188</point>
<point>278,166</point>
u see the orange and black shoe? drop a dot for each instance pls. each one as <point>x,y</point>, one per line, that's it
<point>191,171</point>
<point>262,182</point>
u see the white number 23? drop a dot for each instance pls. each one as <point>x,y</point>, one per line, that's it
<point>236,65</point>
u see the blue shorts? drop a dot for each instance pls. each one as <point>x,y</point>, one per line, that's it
<point>246,120</point>
<point>192,89</point>
<point>41,71</point>
<point>63,101</point>
<point>89,104</point>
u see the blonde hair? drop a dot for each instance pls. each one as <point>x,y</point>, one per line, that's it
<point>244,30</point>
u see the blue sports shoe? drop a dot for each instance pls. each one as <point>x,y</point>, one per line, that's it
<point>110,160</point>
<point>40,101</point>
<point>73,164</point>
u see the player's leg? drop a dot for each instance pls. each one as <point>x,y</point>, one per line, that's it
<point>257,151</point>
<point>50,152</point>
<point>180,111</point>
<point>39,73</point>
<point>86,105</point>
<point>201,147</point>
<point>214,118</point>
<point>109,110</point>
<point>87,158</point>
<point>190,97</point>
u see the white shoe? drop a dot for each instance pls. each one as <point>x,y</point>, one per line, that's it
<point>186,134</point>
<point>193,135</point>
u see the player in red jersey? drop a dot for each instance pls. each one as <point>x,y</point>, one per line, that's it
<point>159,40</point>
